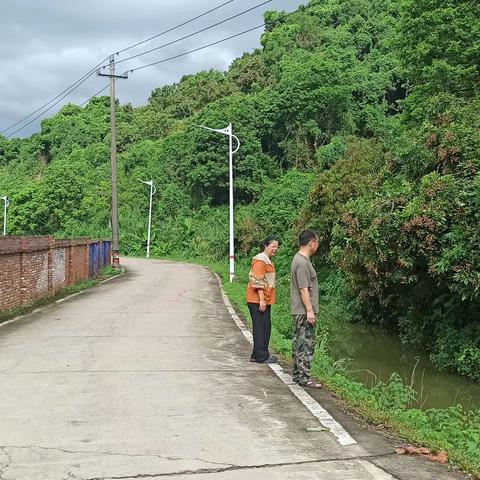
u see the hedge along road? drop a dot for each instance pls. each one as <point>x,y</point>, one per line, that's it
<point>148,376</point>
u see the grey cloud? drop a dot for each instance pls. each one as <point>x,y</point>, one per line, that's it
<point>47,45</point>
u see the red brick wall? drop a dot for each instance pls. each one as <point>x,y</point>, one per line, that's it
<point>10,272</point>
<point>33,267</point>
<point>78,261</point>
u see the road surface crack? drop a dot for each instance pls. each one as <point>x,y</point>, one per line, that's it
<point>4,465</point>
<point>229,468</point>
<point>91,452</point>
<point>72,476</point>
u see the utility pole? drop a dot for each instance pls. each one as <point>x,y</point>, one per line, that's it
<point>113,125</point>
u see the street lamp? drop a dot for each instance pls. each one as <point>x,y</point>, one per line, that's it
<point>229,131</point>
<point>152,193</point>
<point>6,203</point>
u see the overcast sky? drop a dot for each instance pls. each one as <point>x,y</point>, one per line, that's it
<point>47,45</point>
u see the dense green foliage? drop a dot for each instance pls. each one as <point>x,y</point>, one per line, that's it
<point>357,117</point>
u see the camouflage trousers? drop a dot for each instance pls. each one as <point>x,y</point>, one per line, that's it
<point>302,349</point>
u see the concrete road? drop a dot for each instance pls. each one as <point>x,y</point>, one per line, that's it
<point>147,376</point>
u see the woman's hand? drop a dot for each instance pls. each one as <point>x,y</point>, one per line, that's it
<point>262,306</point>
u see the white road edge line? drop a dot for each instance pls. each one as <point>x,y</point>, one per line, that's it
<point>342,436</point>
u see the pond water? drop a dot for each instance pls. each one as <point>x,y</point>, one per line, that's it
<point>374,354</point>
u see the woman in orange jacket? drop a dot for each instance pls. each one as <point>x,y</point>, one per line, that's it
<point>260,298</point>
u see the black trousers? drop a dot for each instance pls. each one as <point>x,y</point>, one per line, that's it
<point>262,327</point>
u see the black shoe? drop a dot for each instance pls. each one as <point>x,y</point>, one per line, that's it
<point>271,359</point>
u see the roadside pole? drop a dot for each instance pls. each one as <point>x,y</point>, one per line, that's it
<point>113,126</point>
<point>6,203</point>
<point>153,190</point>
<point>229,132</point>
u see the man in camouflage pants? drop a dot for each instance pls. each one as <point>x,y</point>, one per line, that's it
<point>304,308</point>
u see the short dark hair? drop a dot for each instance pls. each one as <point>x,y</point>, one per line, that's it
<point>306,236</point>
<point>271,238</point>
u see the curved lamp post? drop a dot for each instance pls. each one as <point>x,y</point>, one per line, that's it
<point>229,132</point>
<point>152,193</point>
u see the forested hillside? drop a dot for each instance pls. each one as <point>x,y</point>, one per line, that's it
<point>359,118</point>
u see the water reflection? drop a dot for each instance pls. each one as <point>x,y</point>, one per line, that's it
<point>375,354</point>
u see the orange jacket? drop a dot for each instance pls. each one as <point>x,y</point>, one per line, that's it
<point>261,277</point>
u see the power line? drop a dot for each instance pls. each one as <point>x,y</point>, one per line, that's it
<point>243,32</point>
<point>194,33</point>
<point>197,49</point>
<point>81,80</point>
<point>174,28</point>
<point>177,56</point>
<point>155,63</point>
<point>78,82</point>
<point>96,94</point>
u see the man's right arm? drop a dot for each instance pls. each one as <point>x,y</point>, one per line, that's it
<point>305,294</point>
<point>303,281</point>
